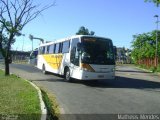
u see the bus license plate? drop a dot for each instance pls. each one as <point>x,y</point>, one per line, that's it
<point>100,76</point>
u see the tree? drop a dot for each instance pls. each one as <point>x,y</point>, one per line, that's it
<point>156,2</point>
<point>84,31</point>
<point>144,46</point>
<point>14,15</point>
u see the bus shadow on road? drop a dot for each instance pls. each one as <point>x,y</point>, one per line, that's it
<point>119,82</point>
<point>123,82</point>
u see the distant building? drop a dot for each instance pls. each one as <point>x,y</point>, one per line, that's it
<point>123,55</point>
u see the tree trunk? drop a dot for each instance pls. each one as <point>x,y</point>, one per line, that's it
<point>7,66</point>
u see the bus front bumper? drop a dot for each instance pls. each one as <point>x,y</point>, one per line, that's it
<point>85,75</point>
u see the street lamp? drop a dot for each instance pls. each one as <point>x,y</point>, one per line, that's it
<point>31,38</point>
<point>23,41</point>
<point>156,55</point>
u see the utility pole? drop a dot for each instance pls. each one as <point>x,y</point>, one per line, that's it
<point>23,41</point>
<point>156,54</point>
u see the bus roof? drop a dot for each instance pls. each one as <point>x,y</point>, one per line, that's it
<point>71,37</point>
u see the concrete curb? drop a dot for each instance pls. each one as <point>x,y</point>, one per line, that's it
<point>144,69</point>
<point>43,107</point>
<point>157,73</point>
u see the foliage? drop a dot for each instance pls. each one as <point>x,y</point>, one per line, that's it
<point>152,68</point>
<point>156,2</point>
<point>144,49</point>
<point>14,15</point>
<point>144,45</point>
<point>158,68</point>
<point>84,31</point>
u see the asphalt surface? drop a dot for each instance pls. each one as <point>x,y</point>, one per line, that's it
<point>133,92</point>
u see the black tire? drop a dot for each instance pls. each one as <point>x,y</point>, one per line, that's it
<point>67,75</point>
<point>44,69</point>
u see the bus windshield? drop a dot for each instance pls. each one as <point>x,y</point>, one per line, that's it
<point>97,51</point>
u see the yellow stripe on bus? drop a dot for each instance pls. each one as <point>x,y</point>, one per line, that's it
<point>54,60</point>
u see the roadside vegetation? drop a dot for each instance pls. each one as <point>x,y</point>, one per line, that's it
<point>152,69</point>
<point>144,51</point>
<point>14,16</point>
<point>18,99</point>
<point>144,47</point>
<point>53,111</point>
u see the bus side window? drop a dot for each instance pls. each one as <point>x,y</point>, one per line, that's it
<point>65,48</point>
<point>51,49</point>
<point>43,49</point>
<point>57,48</point>
<point>60,47</point>
<point>47,50</point>
<point>54,51</point>
<point>40,50</point>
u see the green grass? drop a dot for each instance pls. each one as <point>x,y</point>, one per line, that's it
<point>50,101</point>
<point>18,98</point>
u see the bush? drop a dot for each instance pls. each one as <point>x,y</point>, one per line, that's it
<point>158,68</point>
<point>153,69</point>
<point>142,66</point>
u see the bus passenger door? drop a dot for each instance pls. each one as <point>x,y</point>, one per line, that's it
<point>74,58</point>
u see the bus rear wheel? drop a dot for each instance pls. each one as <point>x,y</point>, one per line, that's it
<point>67,75</point>
<point>44,69</point>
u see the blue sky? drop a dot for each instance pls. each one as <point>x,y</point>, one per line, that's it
<point>115,19</point>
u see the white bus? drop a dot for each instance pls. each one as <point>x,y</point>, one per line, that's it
<point>82,57</point>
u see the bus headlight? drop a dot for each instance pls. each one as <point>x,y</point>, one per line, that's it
<point>86,67</point>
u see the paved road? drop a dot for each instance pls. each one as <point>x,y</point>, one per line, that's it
<point>133,91</point>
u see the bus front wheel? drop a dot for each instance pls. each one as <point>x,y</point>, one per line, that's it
<point>67,75</point>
